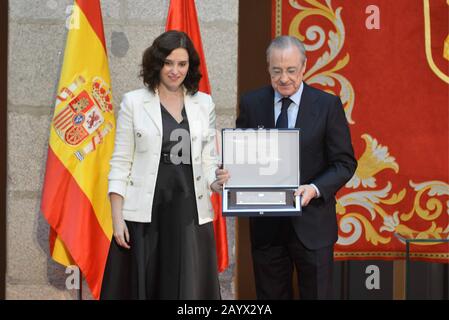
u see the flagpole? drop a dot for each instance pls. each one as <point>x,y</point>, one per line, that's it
<point>80,285</point>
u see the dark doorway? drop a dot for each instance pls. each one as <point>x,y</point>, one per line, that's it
<point>254,37</point>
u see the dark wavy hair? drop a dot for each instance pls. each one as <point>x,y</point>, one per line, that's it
<point>154,58</point>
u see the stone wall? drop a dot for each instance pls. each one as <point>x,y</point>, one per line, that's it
<point>37,37</point>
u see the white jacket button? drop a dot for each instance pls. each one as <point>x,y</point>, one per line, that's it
<point>200,197</point>
<point>198,178</point>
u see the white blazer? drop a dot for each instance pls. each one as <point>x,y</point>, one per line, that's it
<point>137,152</point>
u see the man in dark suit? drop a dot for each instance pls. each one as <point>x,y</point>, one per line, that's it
<point>327,163</point>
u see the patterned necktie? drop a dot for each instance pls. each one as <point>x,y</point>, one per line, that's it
<point>282,121</point>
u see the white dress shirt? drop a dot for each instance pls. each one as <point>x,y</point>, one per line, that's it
<point>292,111</point>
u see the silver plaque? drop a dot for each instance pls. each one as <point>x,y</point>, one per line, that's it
<point>261,197</point>
<point>264,171</point>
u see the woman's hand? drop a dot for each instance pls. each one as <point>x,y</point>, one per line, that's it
<point>121,234</point>
<point>222,176</point>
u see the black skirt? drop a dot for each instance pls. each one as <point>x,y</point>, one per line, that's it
<point>173,257</point>
<point>170,258</point>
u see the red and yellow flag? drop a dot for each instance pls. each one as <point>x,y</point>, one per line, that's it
<point>182,17</point>
<point>74,198</point>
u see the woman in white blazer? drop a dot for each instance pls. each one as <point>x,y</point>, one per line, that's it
<point>163,168</point>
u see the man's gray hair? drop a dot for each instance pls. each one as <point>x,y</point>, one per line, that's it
<point>284,42</point>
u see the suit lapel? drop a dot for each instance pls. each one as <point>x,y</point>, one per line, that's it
<point>307,112</point>
<point>267,103</point>
<point>151,105</point>
<point>198,121</point>
<point>191,107</point>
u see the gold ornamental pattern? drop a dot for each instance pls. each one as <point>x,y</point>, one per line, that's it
<point>368,207</point>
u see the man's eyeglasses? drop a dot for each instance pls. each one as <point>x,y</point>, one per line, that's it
<point>276,73</point>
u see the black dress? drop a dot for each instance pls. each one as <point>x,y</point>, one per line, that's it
<point>173,257</point>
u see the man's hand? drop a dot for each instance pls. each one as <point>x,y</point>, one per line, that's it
<point>307,193</point>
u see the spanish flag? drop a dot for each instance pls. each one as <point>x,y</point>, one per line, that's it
<point>74,197</point>
<point>182,17</point>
